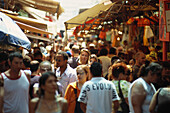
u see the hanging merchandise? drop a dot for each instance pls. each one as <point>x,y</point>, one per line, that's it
<point>108,35</point>
<point>148,33</point>
<point>102,35</point>
<point>125,35</point>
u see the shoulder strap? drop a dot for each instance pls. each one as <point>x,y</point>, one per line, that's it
<point>75,91</point>
<point>120,91</point>
<point>157,96</point>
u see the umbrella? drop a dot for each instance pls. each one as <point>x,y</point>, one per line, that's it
<point>11,33</point>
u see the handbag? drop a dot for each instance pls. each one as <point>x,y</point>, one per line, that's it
<point>77,107</point>
<point>123,104</point>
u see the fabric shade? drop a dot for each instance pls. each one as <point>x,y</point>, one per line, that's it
<point>83,17</point>
<point>51,6</point>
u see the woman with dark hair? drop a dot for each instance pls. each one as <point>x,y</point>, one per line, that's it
<point>161,100</point>
<point>47,101</point>
<point>142,90</point>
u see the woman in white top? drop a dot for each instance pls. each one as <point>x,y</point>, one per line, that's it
<point>142,90</point>
<point>47,101</point>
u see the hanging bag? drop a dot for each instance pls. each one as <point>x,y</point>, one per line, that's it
<point>77,107</point>
<point>123,104</point>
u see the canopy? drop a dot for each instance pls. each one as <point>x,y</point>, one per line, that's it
<point>51,6</point>
<point>29,21</point>
<point>87,15</point>
<point>11,33</point>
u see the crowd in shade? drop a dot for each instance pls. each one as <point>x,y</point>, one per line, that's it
<point>84,76</point>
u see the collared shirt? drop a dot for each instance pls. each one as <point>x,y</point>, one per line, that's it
<point>98,94</point>
<point>67,77</point>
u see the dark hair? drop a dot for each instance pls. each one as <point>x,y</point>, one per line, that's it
<point>121,55</point>
<point>112,50</point>
<point>114,58</point>
<point>145,68</point>
<point>103,51</point>
<point>15,54</point>
<point>118,68</point>
<point>64,54</point>
<point>34,65</point>
<point>37,48</point>
<point>96,69</point>
<point>37,53</point>
<point>27,60</point>
<point>43,79</point>
<point>3,56</point>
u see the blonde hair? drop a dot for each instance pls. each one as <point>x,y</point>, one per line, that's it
<point>86,70</point>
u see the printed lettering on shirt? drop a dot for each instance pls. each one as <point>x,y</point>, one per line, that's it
<point>84,93</point>
<point>101,86</point>
<point>87,88</point>
<point>114,94</point>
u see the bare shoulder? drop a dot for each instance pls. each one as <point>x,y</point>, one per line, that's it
<point>61,100</point>
<point>35,100</point>
<point>138,89</point>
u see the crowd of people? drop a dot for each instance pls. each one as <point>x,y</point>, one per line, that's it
<point>95,78</point>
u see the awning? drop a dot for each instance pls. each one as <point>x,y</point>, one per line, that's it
<point>29,21</point>
<point>37,37</point>
<point>87,15</point>
<point>32,29</point>
<point>51,6</point>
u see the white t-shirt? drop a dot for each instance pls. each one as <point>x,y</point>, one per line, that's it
<point>16,97</point>
<point>98,94</point>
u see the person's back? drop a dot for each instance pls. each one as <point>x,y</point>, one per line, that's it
<point>98,93</point>
<point>106,61</point>
<point>164,100</point>
<point>73,61</point>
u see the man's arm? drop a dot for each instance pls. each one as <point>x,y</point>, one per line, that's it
<point>116,106</point>
<point>153,103</point>
<point>1,94</point>
<point>138,96</point>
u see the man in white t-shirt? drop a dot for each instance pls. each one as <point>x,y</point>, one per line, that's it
<point>98,94</point>
<point>14,89</point>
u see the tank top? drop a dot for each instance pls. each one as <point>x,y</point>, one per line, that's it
<point>150,90</point>
<point>16,94</point>
<point>40,103</point>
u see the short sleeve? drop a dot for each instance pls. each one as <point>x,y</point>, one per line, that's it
<point>114,93</point>
<point>83,94</point>
<point>124,87</point>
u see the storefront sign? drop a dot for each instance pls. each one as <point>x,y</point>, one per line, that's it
<point>164,20</point>
<point>167,14</point>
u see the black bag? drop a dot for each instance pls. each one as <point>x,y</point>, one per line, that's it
<point>77,107</point>
<point>123,104</point>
